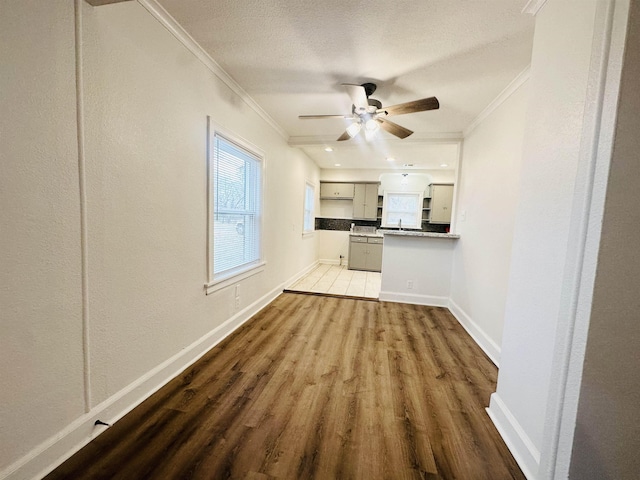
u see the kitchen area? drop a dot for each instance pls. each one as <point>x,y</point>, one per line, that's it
<point>375,232</point>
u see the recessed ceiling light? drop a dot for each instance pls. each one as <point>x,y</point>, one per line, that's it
<point>391,159</point>
<point>336,164</point>
<point>444,164</point>
<point>328,149</point>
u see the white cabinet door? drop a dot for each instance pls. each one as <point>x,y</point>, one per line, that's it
<point>336,190</point>
<point>374,257</point>
<point>365,201</point>
<point>357,255</point>
<point>365,253</point>
<point>441,202</point>
<point>371,201</point>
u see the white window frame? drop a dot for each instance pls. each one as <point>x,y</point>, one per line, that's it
<point>224,279</point>
<point>310,209</point>
<point>385,209</point>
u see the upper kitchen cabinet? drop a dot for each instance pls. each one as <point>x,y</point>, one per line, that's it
<point>441,202</point>
<point>336,191</point>
<point>365,201</point>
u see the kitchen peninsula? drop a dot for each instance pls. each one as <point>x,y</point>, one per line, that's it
<point>416,267</point>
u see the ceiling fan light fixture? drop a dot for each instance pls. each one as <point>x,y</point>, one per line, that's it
<point>353,129</point>
<point>371,125</point>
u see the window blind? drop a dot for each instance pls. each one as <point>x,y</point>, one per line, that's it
<point>405,207</point>
<point>236,207</point>
<point>309,197</point>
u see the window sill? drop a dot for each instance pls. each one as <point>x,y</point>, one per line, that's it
<point>308,234</point>
<point>231,278</point>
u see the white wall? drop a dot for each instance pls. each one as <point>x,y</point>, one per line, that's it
<point>487,201</point>
<point>146,100</point>
<point>417,270</point>
<point>607,435</point>
<point>41,379</point>
<point>543,242</point>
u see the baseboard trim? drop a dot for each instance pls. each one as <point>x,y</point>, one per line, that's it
<point>414,299</point>
<point>491,348</point>
<point>54,451</point>
<point>514,436</point>
<point>330,261</point>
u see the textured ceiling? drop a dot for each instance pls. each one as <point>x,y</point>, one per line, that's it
<point>291,56</point>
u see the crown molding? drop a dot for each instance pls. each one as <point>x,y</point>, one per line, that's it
<point>533,6</point>
<point>324,140</point>
<point>515,84</point>
<point>160,14</point>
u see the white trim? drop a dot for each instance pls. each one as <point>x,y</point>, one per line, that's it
<point>224,282</point>
<point>330,261</point>
<point>167,21</point>
<point>533,7</point>
<point>515,84</point>
<point>247,269</point>
<point>324,140</point>
<point>484,341</point>
<point>519,444</point>
<point>300,274</point>
<point>414,299</point>
<point>596,151</point>
<point>51,453</point>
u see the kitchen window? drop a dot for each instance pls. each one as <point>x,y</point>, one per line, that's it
<point>308,224</point>
<point>402,209</point>
<point>235,206</point>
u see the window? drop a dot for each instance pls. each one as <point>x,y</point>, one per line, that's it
<point>236,207</point>
<point>308,224</point>
<point>405,207</point>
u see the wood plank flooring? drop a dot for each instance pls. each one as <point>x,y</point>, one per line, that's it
<point>317,387</point>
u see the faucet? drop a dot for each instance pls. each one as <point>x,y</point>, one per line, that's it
<point>400,224</point>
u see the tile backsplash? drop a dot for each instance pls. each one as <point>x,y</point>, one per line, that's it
<point>344,224</point>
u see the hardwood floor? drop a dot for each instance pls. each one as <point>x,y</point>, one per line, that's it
<point>317,387</point>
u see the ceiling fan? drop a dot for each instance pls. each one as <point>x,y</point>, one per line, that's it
<point>368,114</point>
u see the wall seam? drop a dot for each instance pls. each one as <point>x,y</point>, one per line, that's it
<point>83,206</point>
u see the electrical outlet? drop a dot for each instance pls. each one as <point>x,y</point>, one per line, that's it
<point>237,303</point>
<point>409,284</point>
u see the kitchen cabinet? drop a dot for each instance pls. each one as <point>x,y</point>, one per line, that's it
<point>441,203</point>
<point>336,190</point>
<point>365,201</point>
<point>365,253</point>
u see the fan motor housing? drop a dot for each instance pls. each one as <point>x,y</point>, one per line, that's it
<point>375,103</point>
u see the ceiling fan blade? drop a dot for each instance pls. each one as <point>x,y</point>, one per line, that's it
<point>313,117</point>
<point>344,136</point>
<point>357,94</point>
<point>430,103</point>
<point>394,128</point>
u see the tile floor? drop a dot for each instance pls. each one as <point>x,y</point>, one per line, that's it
<point>337,280</point>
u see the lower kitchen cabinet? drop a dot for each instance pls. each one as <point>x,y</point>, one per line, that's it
<point>365,253</point>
